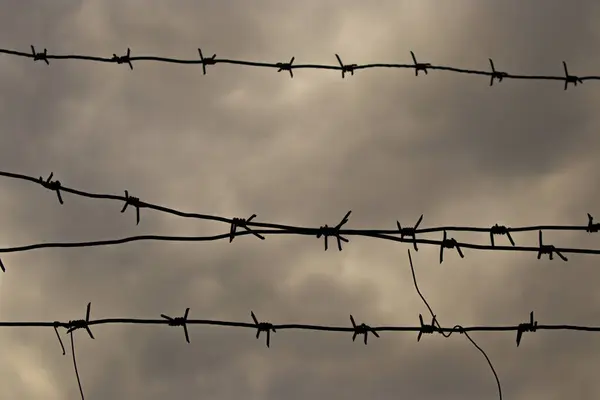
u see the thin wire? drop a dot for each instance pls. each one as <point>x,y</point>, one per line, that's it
<point>436,322</point>
<point>75,366</point>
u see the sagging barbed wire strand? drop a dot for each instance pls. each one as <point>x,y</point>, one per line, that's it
<point>407,234</point>
<point>128,59</point>
<point>496,230</point>
<point>435,324</point>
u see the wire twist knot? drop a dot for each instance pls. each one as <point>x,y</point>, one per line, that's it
<point>263,327</point>
<point>548,249</point>
<point>76,324</point>
<point>346,68</point>
<point>570,78</point>
<point>362,329</point>
<point>134,202</point>
<point>426,329</point>
<point>40,56</point>
<point>592,227</point>
<point>206,61</point>
<point>449,244</point>
<point>242,223</point>
<point>327,231</point>
<point>52,185</point>
<point>179,321</point>
<point>286,66</point>
<point>126,59</point>
<point>530,326</point>
<point>410,232</point>
<point>419,66</point>
<point>496,74</point>
<point>500,230</point>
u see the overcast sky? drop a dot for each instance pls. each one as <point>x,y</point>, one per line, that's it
<point>302,151</point>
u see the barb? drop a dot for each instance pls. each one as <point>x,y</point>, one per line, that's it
<point>419,66</point>
<point>242,223</point>
<point>449,244</point>
<point>52,185</point>
<point>548,249</point>
<point>207,61</point>
<point>436,327</point>
<point>261,229</point>
<point>263,327</point>
<point>496,74</point>
<point>135,202</point>
<point>411,232</point>
<point>268,327</point>
<point>288,67</point>
<point>40,56</point>
<point>592,227</point>
<point>570,78</point>
<point>278,65</point>
<point>326,231</point>
<point>179,321</point>
<point>362,329</point>
<point>500,230</point>
<point>530,326</point>
<point>346,68</point>
<point>126,59</point>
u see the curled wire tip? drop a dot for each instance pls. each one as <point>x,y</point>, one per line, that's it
<point>52,185</point>
<point>327,231</point>
<point>419,66</point>
<point>362,329</point>
<point>286,66</point>
<point>126,59</point>
<point>242,223</point>
<point>206,61</point>
<point>410,232</point>
<point>263,327</point>
<point>346,68</point>
<point>179,321</point>
<point>530,326</point>
<point>134,202</point>
<point>570,78</point>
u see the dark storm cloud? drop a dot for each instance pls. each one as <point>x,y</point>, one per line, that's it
<point>238,141</point>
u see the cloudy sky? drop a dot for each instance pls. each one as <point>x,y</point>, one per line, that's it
<point>302,151</point>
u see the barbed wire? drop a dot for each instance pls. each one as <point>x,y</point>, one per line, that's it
<point>289,66</point>
<point>268,328</point>
<point>400,234</point>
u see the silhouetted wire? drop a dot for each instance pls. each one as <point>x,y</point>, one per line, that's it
<point>75,366</point>
<point>406,234</point>
<point>435,322</point>
<point>289,66</point>
<point>267,327</point>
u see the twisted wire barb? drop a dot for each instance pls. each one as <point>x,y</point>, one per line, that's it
<point>287,66</point>
<point>400,234</point>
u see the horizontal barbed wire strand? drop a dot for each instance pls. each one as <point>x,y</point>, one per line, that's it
<point>288,66</point>
<point>407,234</point>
